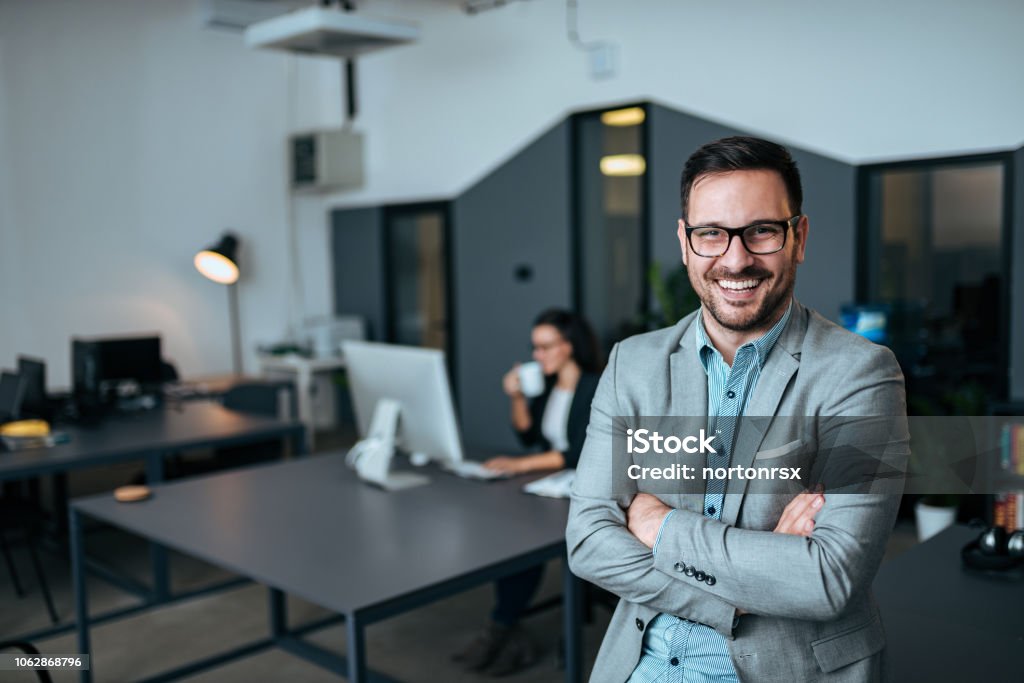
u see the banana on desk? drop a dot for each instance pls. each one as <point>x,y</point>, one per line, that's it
<point>25,428</point>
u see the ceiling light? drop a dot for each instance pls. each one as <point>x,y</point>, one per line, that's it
<point>623,165</point>
<point>630,116</point>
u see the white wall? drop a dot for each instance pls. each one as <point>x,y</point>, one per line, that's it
<point>133,138</point>
<point>130,135</point>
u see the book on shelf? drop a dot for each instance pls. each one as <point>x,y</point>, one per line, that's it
<point>1011,456</point>
<point>1008,510</point>
<point>1008,507</point>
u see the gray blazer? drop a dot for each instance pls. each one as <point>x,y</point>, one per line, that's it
<point>812,616</point>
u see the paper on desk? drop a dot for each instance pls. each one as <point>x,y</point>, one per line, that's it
<point>557,485</point>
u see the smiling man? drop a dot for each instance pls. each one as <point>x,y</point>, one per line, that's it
<point>739,581</point>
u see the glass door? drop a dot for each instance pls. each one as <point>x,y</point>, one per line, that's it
<point>418,275</point>
<point>610,250</point>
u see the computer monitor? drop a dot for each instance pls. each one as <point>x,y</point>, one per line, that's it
<point>401,398</point>
<point>99,363</point>
<point>871,321</point>
<point>12,391</point>
<point>33,374</point>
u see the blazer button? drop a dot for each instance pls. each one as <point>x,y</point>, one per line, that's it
<point>679,567</point>
<point>700,576</point>
<point>711,580</point>
<point>690,571</point>
<point>640,624</point>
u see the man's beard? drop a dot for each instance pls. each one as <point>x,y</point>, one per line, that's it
<point>764,313</point>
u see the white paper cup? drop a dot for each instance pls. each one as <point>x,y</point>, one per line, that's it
<point>531,379</point>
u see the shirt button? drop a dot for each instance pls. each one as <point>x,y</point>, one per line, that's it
<point>679,567</point>
<point>639,624</point>
<point>711,580</point>
<point>711,509</point>
<point>690,571</point>
<point>730,394</point>
<point>700,576</point>
<point>674,661</point>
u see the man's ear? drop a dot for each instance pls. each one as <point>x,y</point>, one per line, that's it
<point>681,233</point>
<point>803,226</point>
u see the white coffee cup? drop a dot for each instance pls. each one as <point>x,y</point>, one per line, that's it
<point>531,379</point>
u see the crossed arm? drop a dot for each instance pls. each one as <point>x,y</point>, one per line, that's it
<point>793,571</point>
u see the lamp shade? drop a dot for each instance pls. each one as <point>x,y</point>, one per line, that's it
<point>219,262</point>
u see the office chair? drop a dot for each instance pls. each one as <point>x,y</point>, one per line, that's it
<point>30,650</point>
<point>19,514</point>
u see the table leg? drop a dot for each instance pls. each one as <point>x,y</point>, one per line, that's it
<point>571,616</point>
<point>78,578</point>
<point>299,443</point>
<point>59,490</point>
<point>157,553</point>
<point>278,613</point>
<point>304,387</point>
<point>355,657</point>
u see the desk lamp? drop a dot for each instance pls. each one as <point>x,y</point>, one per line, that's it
<point>219,263</point>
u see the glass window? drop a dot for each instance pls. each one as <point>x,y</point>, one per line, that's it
<point>936,260</point>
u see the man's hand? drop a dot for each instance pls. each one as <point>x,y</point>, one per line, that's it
<point>798,517</point>
<point>644,517</point>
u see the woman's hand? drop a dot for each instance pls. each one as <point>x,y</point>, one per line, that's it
<point>510,382</point>
<point>504,463</point>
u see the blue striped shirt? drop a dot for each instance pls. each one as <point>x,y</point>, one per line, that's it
<point>677,650</point>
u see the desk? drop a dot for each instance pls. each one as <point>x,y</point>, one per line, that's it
<point>309,527</point>
<point>149,436</point>
<point>946,624</point>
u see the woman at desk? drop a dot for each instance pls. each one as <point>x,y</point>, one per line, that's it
<point>555,423</point>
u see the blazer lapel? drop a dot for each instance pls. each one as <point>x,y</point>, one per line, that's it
<point>689,405</point>
<point>780,366</point>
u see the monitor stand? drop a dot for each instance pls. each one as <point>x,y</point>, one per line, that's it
<point>372,455</point>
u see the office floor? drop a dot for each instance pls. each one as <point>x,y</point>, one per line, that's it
<point>413,647</point>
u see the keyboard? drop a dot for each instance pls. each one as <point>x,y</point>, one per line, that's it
<point>471,469</point>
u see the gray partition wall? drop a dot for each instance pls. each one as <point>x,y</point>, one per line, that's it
<point>1017,280</point>
<point>512,259</point>
<point>826,280</point>
<point>358,258</point>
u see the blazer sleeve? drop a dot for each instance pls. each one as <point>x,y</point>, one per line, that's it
<point>808,577</point>
<point>600,547</point>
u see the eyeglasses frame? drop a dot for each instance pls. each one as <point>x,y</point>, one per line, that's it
<point>738,232</point>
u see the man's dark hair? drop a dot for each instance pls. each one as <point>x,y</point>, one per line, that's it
<point>574,329</point>
<point>741,153</point>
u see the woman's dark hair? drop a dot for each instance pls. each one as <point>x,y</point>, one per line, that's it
<point>742,154</point>
<point>574,329</point>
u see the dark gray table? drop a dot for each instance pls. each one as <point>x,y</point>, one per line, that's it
<point>149,436</point>
<point>310,528</point>
<point>943,623</point>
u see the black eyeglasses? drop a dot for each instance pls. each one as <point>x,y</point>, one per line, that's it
<point>764,237</point>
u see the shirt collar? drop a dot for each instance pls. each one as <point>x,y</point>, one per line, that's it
<point>762,346</point>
